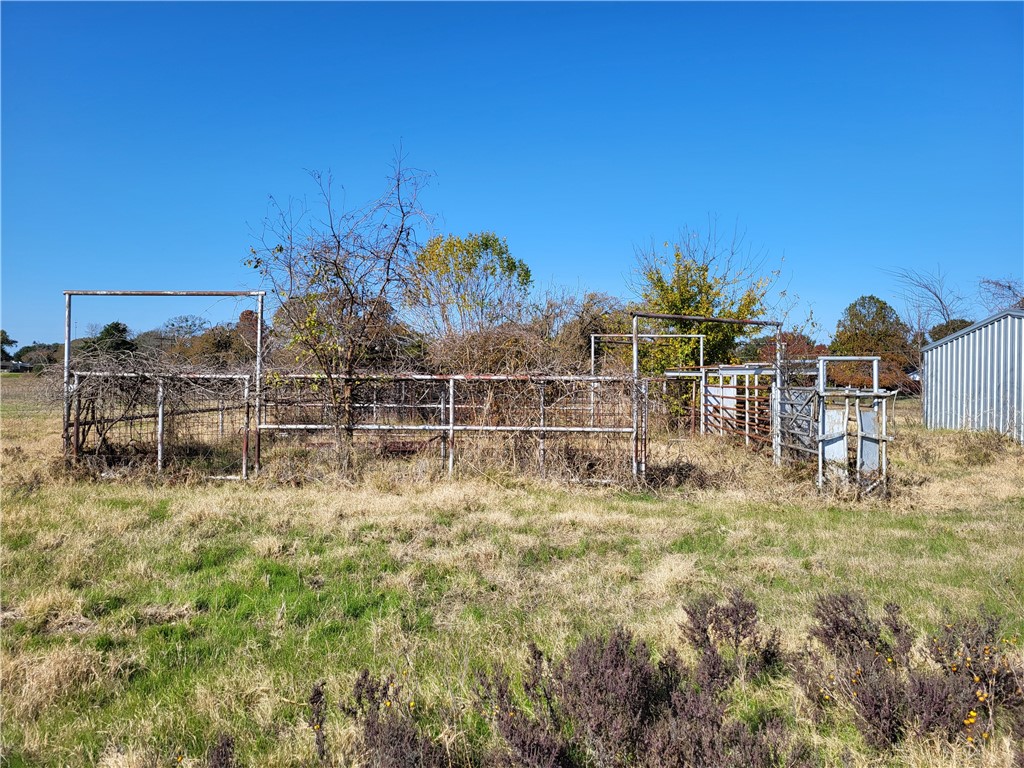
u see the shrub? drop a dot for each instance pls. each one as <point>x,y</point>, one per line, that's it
<point>972,684</point>
<point>388,729</point>
<point>610,692</point>
<point>222,754</point>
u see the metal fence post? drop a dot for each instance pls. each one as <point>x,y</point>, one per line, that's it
<point>245,430</point>
<point>451,426</point>
<point>67,373</point>
<point>159,425</point>
<point>541,447</point>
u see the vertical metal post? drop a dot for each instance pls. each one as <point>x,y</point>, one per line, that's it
<point>77,395</point>
<point>636,397</point>
<point>259,379</point>
<point>636,347</point>
<point>541,446</point>
<point>775,401</point>
<point>159,425</point>
<point>245,430</point>
<point>593,384</point>
<point>441,419</point>
<point>703,401</point>
<point>644,413</point>
<point>883,434</point>
<point>860,434</point>
<point>67,373</point>
<point>220,411</point>
<point>451,426</point>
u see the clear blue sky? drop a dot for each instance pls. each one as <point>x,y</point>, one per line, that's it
<point>140,141</point>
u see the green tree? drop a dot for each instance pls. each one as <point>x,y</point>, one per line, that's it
<point>37,354</point>
<point>947,328</point>
<point>870,326</point>
<point>182,328</point>
<point>113,339</point>
<point>5,342</point>
<point>703,276</point>
<point>460,285</point>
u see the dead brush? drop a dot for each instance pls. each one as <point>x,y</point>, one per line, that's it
<point>532,733</point>
<point>972,688</point>
<point>222,754</point>
<point>610,692</point>
<point>974,449</point>
<point>734,624</point>
<point>389,731</point>
<point>608,704</point>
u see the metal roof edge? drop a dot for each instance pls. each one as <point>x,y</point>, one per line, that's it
<point>971,328</point>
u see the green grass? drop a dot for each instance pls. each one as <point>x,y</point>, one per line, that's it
<point>149,617</point>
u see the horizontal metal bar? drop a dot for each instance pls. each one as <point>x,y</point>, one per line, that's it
<point>165,293</point>
<point>136,375</point>
<point>443,428</point>
<point>849,358</point>
<point>458,377</point>
<point>648,336</point>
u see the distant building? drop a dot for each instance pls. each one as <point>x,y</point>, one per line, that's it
<point>974,378</point>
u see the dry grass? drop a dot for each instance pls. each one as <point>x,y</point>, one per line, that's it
<point>141,618</point>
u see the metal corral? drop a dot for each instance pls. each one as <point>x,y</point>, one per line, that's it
<point>974,379</point>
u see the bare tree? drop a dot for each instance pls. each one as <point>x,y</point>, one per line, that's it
<point>928,297</point>
<point>998,294</point>
<point>338,275</point>
<point>931,308</point>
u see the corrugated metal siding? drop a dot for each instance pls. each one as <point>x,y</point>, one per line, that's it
<point>976,379</point>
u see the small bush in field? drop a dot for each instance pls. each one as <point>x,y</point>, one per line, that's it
<point>389,733</point>
<point>972,655</point>
<point>317,715</point>
<point>607,704</point>
<point>534,739</point>
<point>871,670</point>
<point>844,625</point>
<point>610,692</point>
<point>735,626</point>
<point>222,754</point>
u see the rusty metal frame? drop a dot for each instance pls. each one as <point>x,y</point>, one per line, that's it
<point>449,429</point>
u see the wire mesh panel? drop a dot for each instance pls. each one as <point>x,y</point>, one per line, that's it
<point>197,422</point>
<point>577,426</point>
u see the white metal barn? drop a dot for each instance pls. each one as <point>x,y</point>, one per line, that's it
<point>974,379</point>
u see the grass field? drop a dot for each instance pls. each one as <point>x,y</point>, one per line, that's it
<point>141,619</point>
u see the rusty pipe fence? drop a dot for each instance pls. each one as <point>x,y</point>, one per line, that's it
<point>459,417</point>
<point>592,426</point>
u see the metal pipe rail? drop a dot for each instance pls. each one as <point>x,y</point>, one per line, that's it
<point>444,428</point>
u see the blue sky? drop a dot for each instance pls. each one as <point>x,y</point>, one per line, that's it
<point>140,142</point>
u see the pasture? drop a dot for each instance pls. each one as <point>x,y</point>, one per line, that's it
<point>143,617</point>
